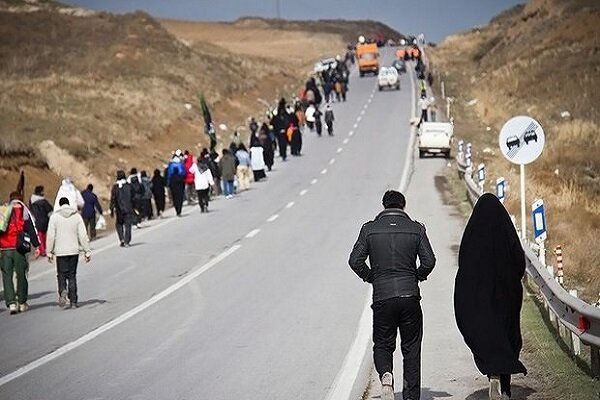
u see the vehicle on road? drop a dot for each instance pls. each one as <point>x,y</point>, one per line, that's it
<point>513,141</point>
<point>436,138</point>
<point>400,65</point>
<point>325,64</point>
<point>368,58</point>
<point>388,78</point>
<point>529,136</point>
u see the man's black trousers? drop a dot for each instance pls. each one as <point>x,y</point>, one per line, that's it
<point>389,316</point>
<point>66,273</point>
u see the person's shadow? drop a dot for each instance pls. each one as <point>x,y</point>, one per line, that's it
<point>426,394</point>
<point>518,392</point>
<point>85,303</point>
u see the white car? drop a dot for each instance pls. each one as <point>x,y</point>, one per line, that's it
<point>325,64</point>
<point>388,78</point>
<point>436,138</point>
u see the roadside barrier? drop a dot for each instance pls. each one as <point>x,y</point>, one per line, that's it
<point>573,321</point>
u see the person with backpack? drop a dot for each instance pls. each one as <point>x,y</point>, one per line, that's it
<point>66,235</point>
<point>137,191</point>
<point>41,210</point>
<point>121,205</point>
<point>146,195</point>
<point>18,237</point>
<point>329,118</point>
<point>176,181</point>
<point>91,204</point>
<point>158,185</point>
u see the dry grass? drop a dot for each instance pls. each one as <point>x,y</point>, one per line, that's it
<point>559,71</point>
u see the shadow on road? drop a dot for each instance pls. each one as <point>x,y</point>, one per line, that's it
<point>518,393</point>
<point>55,304</point>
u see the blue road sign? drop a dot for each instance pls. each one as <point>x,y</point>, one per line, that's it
<point>539,220</point>
<point>500,189</point>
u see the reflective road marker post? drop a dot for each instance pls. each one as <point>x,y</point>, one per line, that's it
<point>501,189</point>
<point>538,214</point>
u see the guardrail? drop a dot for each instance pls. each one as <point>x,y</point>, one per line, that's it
<point>573,320</point>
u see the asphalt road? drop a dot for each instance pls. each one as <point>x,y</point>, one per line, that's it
<point>253,300</point>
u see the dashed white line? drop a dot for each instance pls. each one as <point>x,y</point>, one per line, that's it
<point>350,133</point>
<point>370,100</point>
<point>331,161</point>
<point>303,192</point>
<point>359,118</point>
<point>117,321</point>
<point>362,113</point>
<point>273,217</point>
<point>252,233</point>
<point>314,181</point>
<point>324,171</point>
<point>355,126</point>
<point>346,141</point>
<point>339,150</point>
<point>290,204</point>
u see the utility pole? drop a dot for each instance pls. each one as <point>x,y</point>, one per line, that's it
<point>278,9</point>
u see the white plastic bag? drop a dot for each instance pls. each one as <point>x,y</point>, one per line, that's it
<point>101,223</point>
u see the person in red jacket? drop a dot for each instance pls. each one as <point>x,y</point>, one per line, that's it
<point>13,255</point>
<point>190,188</point>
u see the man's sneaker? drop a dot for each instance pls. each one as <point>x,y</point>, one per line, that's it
<point>495,388</point>
<point>13,308</point>
<point>122,244</point>
<point>387,386</point>
<point>62,299</point>
<point>23,307</point>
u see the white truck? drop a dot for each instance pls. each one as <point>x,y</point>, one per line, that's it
<point>435,138</point>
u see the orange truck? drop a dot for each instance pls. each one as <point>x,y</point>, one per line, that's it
<point>368,58</point>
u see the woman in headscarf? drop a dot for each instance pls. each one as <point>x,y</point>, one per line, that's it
<point>488,293</point>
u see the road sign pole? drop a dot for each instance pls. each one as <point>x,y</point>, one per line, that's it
<point>523,216</point>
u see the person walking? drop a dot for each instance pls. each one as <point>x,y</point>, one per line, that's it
<point>190,190</point>
<point>267,145</point>
<point>243,168</point>
<point>121,205</point>
<point>203,180</point>
<point>41,210</point>
<point>67,189</point>
<point>258,162</point>
<point>16,241</point>
<point>228,170</point>
<point>392,242</point>
<point>158,192</point>
<point>137,191</point>
<point>146,196</point>
<point>66,236</point>
<point>91,204</point>
<point>175,180</point>
<point>424,104</point>
<point>488,293</point>
<point>310,116</point>
<point>329,118</point>
<point>318,122</point>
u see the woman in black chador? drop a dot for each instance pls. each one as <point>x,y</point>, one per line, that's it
<point>488,293</point>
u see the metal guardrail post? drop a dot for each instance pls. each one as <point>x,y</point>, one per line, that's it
<point>595,361</point>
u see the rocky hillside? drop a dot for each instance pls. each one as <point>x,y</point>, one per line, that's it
<point>543,60</point>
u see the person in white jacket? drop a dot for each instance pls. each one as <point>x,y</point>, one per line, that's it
<point>203,180</point>
<point>66,238</point>
<point>67,189</point>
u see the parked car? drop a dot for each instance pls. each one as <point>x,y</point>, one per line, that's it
<point>388,78</point>
<point>400,65</point>
<point>436,138</point>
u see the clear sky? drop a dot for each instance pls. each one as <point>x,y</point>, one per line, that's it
<point>435,18</point>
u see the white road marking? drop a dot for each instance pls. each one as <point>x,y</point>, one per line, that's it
<point>252,233</point>
<point>273,217</point>
<point>303,192</point>
<point>331,161</point>
<point>346,141</point>
<point>314,181</point>
<point>361,114</point>
<point>355,126</point>
<point>370,100</point>
<point>359,118</point>
<point>290,204</point>
<point>350,133</point>
<point>117,321</point>
<point>324,171</point>
<point>339,150</point>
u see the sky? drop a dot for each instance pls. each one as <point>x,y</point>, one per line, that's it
<point>435,18</point>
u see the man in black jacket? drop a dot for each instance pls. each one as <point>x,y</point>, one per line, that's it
<point>393,241</point>
<point>121,203</point>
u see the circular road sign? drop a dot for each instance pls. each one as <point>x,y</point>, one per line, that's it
<point>522,140</point>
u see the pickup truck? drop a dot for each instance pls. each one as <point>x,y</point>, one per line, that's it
<point>435,138</point>
<point>388,78</point>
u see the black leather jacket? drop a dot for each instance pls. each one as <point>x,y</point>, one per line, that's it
<point>392,241</point>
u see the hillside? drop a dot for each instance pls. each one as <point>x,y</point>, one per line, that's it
<point>84,93</point>
<point>542,60</point>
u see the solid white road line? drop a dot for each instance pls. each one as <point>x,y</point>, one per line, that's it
<point>331,161</point>
<point>117,321</point>
<point>323,171</point>
<point>273,217</point>
<point>339,150</point>
<point>290,204</point>
<point>303,192</point>
<point>252,233</point>
<point>314,181</point>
